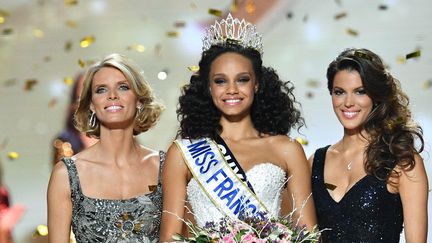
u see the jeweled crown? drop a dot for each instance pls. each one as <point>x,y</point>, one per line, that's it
<point>230,29</point>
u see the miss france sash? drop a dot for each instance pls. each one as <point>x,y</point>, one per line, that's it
<point>218,180</point>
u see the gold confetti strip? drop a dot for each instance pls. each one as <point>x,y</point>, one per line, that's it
<point>7,31</point>
<point>68,45</point>
<point>71,24</point>
<point>313,83</point>
<point>362,54</point>
<point>302,141</point>
<point>29,84</point>
<point>52,103</point>
<point>309,95</point>
<point>87,41</point>
<point>193,68</point>
<point>415,54</point>
<point>427,84</point>
<point>215,12</point>
<point>340,15</point>
<point>158,49</point>
<point>41,230</point>
<point>179,24</point>
<point>250,7</point>
<point>68,81</point>
<point>400,59</point>
<point>351,32</point>
<point>329,186</point>
<point>290,15</point>
<point>382,7</point>
<point>71,2</point>
<point>173,34</point>
<point>136,47</point>
<point>13,155</point>
<point>81,63</point>
<point>3,15</point>
<point>152,188</point>
<point>38,33</point>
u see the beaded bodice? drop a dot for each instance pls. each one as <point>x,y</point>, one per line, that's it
<point>266,179</point>
<point>368,212</point>
<point>106,220</point>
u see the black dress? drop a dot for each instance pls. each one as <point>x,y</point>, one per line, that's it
<point>368,212</point>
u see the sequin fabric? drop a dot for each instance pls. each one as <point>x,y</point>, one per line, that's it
<point>266,179</point>
<point>368,212</point>
<point>105,220</point>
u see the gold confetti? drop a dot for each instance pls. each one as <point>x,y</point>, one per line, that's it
<point>136,47</point>
<point>302,141</point>
<point>68,45</point>
<point>13,155</point>
<point>215,12</point>
<point>415,54</point>
<point>382,7</point>
<point>68,81</point>
<point>400,59</point>
<point>81,63</point>
<point>29,83</point>
<point>52,103</point>
<point>87,41</point>
<point>329,186</point>
<point>340,15</point>
<point>313,83</point>
<point>2,19</point>
<point>179,24</point>
<point>71,2</point>
<point>38,33</point>
<point>290,15</point>
<point>41,230</point>
<point>7,31</point>
<point>427,84</point>
<point>152,188</point>
<point>173,34</point>
<point>351,32</point>
<point>3,15</point>
<point>250,7</point>
<point>71,24</point>
<point>309,95</point>
<point>193,68</point>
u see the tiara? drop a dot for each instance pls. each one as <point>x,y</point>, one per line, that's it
<point>233,30</point>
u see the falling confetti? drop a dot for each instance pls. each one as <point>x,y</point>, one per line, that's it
<point>309,95</point>
<point>68,81</point>
<point>71,2</point>
<point>38,33</point>
<point>136,47</point>
<point>13,155</point>
<point>3,15</point>
<point>340,15</point>
<point>401,59</point>
<point>382,7</point>
<point>329,186</point>
<point>173,34</point>
<point>415,54</point>
<point>71,24</point>
<point>87,41</point>
<point>158,50</point>
<point>179,24</point>
<point>215,12</point>
<point>29,84</point>
<point>52,103</point>
<point>427,84</point>
<point>68,45</point>
<point>290,15</point>
<point>152,188</point>
<point>81,63</point>
<point>351,32</point>
<point>313,83</point>
<point>7,31</point>
<point>302,141</point>
<point>193,68</point>
<point>41,230</point>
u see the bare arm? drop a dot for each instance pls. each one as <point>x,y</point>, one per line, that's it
<point>413,189</point>
<point>299,185</point>
<point>59,205</point>
<point>174,182</point>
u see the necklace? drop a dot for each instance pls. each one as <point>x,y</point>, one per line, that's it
<point>349,165</point>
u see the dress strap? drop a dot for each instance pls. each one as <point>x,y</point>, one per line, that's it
<point>162,156</point>
<point>76,192</point>
<point>318,162</point>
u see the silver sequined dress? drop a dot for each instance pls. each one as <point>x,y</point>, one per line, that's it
<point>105,220</point>
<point>266,179</point>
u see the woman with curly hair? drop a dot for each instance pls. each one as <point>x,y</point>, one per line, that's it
<point>372,181</point>
<point>110,192</point>
<point>233,156</point>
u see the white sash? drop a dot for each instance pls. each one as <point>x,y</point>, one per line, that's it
<point>221,184</point>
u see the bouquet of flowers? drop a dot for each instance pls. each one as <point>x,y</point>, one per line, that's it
<point>251,229</point>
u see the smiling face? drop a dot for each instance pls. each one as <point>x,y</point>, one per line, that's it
<point>232,84</point>
<point>113,100</point>
<point>350,102</point>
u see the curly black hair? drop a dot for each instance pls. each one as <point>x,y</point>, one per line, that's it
<point>274,109</point>
<point>391,130</point>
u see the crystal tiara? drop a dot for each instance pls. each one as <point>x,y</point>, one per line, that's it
<point>230,29</point>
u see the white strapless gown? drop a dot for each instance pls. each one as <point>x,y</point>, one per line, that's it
<point>266,179</point>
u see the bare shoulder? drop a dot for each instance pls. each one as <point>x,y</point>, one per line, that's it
<point>59,180</point>
<point>150,157</point>
<point>59,171</point>
<point>282,144</point>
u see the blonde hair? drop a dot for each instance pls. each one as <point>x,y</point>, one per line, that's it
<point>145,118</point>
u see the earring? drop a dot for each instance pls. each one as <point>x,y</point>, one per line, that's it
<point>92,120</point>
